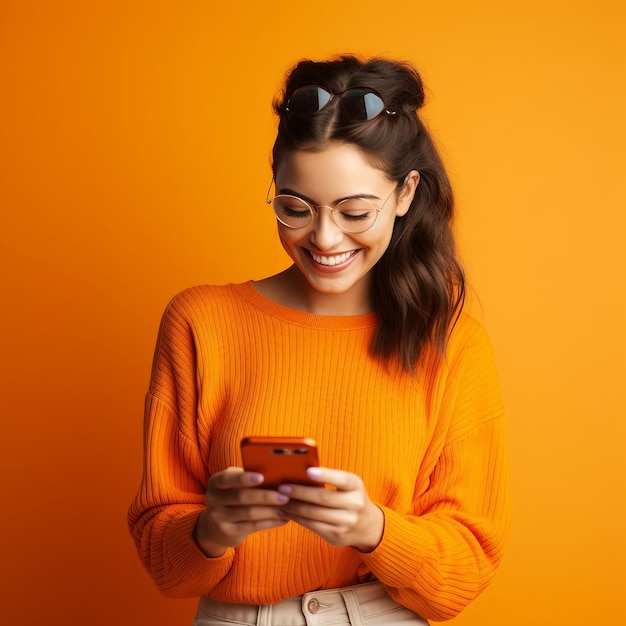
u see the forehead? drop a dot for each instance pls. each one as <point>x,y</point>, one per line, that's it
<point>336,170</point>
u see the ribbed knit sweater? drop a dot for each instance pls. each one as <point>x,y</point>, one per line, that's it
<point>430,449</point>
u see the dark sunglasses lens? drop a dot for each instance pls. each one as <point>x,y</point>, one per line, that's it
<point>308,100</point>
<point>362,105</point>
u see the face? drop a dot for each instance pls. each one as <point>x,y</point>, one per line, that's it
<point>335,263</point>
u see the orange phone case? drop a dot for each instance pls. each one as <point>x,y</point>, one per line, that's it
<point>281,460</point>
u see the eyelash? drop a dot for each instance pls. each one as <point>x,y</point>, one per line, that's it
<point>356,218</point>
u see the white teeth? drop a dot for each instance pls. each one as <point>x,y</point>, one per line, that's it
<point>332,260</point>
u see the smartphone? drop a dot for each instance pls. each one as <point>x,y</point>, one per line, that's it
<point>281,460</point>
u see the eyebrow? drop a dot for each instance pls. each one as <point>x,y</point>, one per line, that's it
<point>292,192</point>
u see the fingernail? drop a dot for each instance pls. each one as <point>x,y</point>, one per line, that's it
<point>256,478</point>
<point>282,498</point>
<point>285,489</point>
<point>314,472</point>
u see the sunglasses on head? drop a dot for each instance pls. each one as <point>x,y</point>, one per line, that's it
<point>359,104</point>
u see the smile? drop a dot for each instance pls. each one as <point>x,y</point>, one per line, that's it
<point>338,259</point>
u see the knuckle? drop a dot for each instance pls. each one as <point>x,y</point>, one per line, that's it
<point>265,496</point>
<point>326,497</point>
<point>356,500</point>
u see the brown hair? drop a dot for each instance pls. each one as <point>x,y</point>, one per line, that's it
<point>418,284</point>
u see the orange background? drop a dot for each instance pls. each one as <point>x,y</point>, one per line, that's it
<point>134,156</point>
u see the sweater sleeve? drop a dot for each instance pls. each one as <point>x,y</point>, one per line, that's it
<point>163,514</point>
<point>438,559</point>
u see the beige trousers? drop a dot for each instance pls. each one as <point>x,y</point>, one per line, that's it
<point>360,605</point>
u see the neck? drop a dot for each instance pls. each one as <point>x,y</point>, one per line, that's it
<point>291,289</point>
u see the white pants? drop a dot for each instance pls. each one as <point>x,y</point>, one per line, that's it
<point>360,605</point>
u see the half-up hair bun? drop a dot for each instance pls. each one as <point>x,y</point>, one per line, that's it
<point>397,82</point>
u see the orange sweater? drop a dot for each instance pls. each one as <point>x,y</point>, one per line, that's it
<point>430,450</point>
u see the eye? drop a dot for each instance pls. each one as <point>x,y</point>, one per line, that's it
<point>292,207</point>
<point>295,211</point>
<point>356,210</point>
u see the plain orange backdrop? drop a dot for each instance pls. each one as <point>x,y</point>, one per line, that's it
<point>134,160</point>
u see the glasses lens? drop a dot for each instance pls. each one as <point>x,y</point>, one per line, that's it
<point>362,104</point>
<point>308,100</point>
<point>292,211</point>
<point>355,215</point>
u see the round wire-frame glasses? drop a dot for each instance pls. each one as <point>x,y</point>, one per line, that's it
<point>351,215</point>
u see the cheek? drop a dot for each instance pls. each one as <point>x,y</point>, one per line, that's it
<point>286,236</point>
<point>288,239</point>
<point>380,238</point>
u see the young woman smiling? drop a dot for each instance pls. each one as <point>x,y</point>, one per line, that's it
<point>332,271</point>
<point>362,345</point>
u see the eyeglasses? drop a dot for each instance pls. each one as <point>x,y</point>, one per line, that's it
<point>359,104</point>
<point>352,215</point>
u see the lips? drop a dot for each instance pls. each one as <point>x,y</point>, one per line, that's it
<point>328,264</point>
<point>337,259</point>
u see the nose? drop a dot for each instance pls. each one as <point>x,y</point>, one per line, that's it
<point>325,233</point>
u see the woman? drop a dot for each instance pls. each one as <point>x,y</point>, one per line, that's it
<point>361,345</point>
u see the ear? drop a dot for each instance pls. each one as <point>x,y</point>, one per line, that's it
<point>407,192</point>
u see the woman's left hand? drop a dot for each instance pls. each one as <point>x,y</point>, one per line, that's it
<point>344,516</point>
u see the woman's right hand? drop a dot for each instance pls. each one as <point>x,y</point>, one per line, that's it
<point>236,507</point>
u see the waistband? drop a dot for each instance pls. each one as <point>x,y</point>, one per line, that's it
<point>358,605</point>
